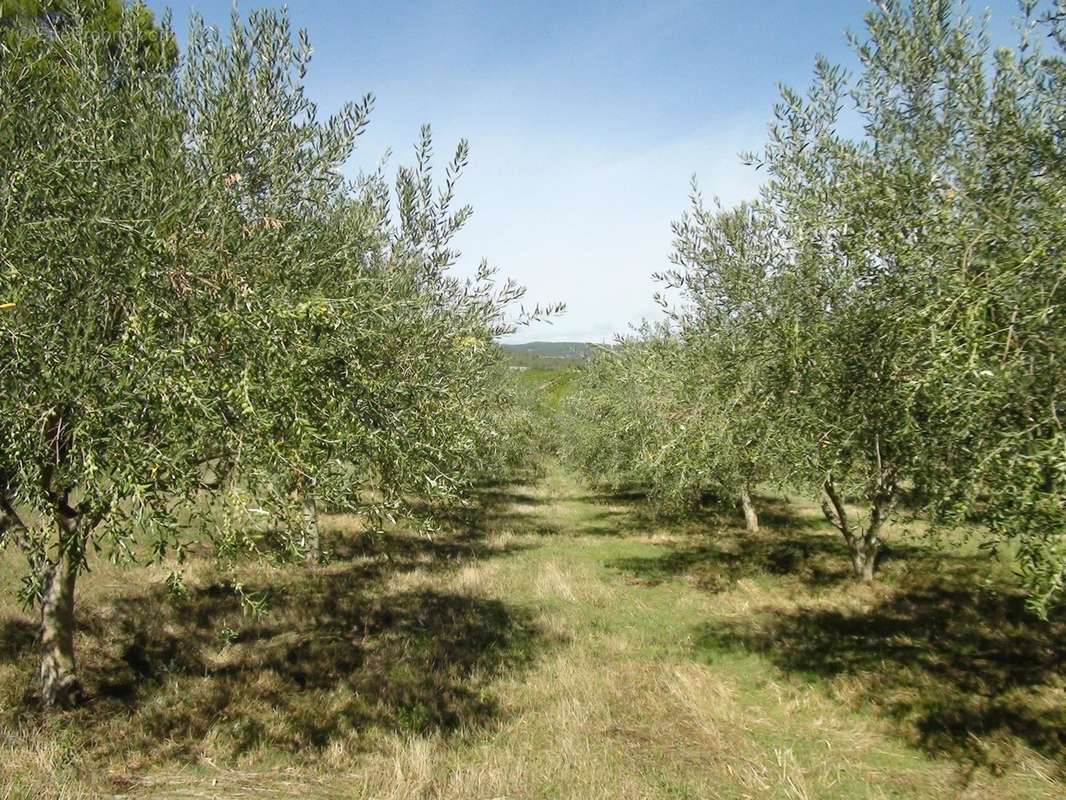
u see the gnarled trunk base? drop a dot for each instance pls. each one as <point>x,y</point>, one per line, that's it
<point>59,675</point>
<point>864,544</point>
<point>864,556</point>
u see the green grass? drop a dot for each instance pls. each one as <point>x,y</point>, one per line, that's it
<point>549,386</point>
<point>558,644</point>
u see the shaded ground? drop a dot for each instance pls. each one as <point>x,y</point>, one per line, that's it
<point>941,647</point>
<point>554,644</point>
<point>340,653</point>
<point>967,675</point>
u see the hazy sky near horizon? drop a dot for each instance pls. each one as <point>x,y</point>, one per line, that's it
<point>586,120</point>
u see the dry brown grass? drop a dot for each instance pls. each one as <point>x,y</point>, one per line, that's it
<point>567,648</point>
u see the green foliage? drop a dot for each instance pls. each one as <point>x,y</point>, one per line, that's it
<point>887,317</point>
<point>110,397</point>
<point>629,426</point>
<point>202,320</point>
<point>923,268</point>
<point>132,26</point>
<point>683,409</point>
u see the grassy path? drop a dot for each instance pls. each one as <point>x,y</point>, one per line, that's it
<point>569,649</point>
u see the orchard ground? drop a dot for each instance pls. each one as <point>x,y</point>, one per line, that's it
<point>554,644</point>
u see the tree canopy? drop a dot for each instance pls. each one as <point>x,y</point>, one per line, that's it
<point>886,319</point>
<point>203,321</point>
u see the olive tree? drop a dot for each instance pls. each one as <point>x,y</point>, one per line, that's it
<point>645,414</point>
<point>835,378</point>
<point>726,261</point>
<point>624,425</point>
<point>683,408</point>
<point>987,352</point>
<point>916,275</point>
<point>200,315</point>
<point>377,384</point>
<point>886,318</point>
<point>112,391</point>
<point>107,18</point>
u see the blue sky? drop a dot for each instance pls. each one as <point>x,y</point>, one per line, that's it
<point>586,120</point>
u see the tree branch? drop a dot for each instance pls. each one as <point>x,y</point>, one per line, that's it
<point>833,508</point>
<point>10,519</point>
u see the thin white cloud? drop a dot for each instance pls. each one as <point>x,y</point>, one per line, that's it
<point>590,232</point>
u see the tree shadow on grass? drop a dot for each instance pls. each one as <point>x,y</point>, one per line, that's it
<point>711,513</point>
<point>778,514</point>
<point>18,635</point>
<point>511,507</point>
<point>341,656</point>
<point>715,552</point>
<point>466,541</point>
<point>940,647</point>
<point>618,497</point>
<point>605,523</point>
<point>715,563</point>
<point>509,496</point>
<point>320,666</point>
<point>967,674</point>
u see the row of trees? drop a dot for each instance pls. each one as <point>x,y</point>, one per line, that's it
<point>206,331</point>
<point>887,318</point>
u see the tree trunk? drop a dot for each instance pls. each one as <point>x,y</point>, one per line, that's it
<point>59,676</point>
<point>310,528</point>
<point>867,548</point>
<point>864,545</point>
<point>751,518</point>
<point>864,554</point>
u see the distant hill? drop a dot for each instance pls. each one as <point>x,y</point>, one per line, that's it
<point>550,356</point>
<point>565,350</point>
